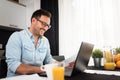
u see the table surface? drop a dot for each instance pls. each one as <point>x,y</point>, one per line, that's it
<point>80,76</point>
<point>88,76</point>
<point>97,74</point>
<point>26,77</point>
<point>112,75</point>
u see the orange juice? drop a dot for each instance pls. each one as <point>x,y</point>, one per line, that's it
<point>109,65</point>
<point>58,73</point>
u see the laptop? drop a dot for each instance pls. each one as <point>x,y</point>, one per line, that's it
<point>81,60</point>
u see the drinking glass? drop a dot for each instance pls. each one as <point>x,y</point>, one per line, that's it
<point>109,63</point>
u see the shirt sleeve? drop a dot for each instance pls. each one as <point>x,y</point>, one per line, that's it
<point>48,58</point>
<point>13,52</point>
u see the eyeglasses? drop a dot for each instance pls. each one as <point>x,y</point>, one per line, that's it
<point>44,24</point>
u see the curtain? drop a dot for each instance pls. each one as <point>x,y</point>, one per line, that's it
<point>53,33</point>
<point>94,21</point>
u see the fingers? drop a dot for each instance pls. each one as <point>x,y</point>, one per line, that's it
<point>71,65</point>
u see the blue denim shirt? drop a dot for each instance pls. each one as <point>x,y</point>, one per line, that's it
<point>20,49</point>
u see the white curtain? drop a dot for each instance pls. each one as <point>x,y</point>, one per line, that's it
<point>94,21</point>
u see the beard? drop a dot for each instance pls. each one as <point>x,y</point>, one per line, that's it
<point>41,32</point>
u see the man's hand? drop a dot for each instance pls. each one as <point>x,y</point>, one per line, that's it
<point>71,65</point>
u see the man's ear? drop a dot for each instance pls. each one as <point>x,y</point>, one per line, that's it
<point>34,20</point>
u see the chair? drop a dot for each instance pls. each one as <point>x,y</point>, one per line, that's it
<point>3,67</point>
<point>2,53</point>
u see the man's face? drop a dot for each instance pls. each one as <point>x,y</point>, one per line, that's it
<point>41,25</point>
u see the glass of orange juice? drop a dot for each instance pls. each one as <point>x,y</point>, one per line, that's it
<point>58,73</point>
<point>109,63</point>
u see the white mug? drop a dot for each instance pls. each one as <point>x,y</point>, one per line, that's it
<point>48,69</point>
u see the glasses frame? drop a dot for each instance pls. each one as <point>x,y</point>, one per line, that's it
<point>44,23</point>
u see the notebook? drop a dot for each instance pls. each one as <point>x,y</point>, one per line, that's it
<point>81,60</point>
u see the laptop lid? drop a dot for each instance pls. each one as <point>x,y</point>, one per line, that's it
<point>82,58</point>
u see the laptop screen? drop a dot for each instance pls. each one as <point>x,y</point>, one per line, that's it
<point>83,57</point>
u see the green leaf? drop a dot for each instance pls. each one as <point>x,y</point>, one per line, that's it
<point>97,53</point>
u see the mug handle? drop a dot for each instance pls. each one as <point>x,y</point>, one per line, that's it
<point>42,68</point>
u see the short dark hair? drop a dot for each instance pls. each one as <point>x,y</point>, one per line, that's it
<point>38,13</point>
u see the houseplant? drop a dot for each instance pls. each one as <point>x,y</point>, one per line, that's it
<point>117,50</point>
<point>97,55</point>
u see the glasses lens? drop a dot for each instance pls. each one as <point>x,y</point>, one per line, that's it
<point>44,24</point>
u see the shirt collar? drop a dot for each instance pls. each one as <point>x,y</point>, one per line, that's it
<point>31,35</point>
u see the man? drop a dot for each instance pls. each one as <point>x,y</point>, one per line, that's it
<point>28,49</point>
